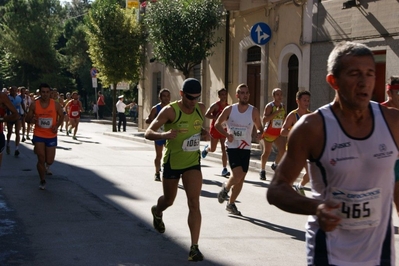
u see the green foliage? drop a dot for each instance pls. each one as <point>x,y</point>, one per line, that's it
<point>30,31</point>
<point>115,41</point>
<point>182,32</point>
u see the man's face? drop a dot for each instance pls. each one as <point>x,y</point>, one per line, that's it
<point>303,102</point>
<point>355,83</point>
<point>223,96</point>
<point>278,96</point>
<point>190,100</point>
<point>13,91</point>
<point>243,95</point>
<point>165,97</point>
<point>45,93</point>
<point>394,96</point>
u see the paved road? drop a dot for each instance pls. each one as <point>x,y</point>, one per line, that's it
<point>96,211</point>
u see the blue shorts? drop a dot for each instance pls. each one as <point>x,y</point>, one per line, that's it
<point>161,142</point>
<point>49,142</point>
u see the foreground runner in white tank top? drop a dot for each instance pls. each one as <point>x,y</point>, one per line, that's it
<point>351,146</point>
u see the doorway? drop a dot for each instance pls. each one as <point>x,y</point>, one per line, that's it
<point>293,68</point>
<point>253,82</point>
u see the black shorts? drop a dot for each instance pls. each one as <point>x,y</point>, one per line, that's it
<point>169,173</point>
<point>239,157</point>
<point>2,142</point>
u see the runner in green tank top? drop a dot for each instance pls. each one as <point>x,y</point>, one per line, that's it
<point>183,151</point>
<point>183,121</point>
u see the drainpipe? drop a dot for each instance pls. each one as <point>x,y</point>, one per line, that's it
<point>227,51</point>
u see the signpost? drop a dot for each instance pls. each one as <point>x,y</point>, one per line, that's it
<point>93,74</point>
<point>261,33</point>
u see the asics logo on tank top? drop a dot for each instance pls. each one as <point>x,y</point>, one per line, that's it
<point>340,145</point>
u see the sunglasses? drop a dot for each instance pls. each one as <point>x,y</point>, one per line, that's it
<point>192,98</point>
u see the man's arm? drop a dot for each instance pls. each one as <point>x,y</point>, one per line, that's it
<point>60,117</point>
<point>219,121</point>
<point>268,113</point>
<point>288,123</point>
<point>256,119</point>
<point>392,117</point>
<point>13,116</point>
<point>205,136</point>
<point>151,116</point>
<point>167,114</point>
<point>210,112</point>
<point>303,143</point>
<point>30,116</point>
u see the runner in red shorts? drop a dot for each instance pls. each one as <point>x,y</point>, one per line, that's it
<point>213,113</point>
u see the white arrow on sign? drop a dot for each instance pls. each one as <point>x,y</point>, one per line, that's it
<point>261,35</point>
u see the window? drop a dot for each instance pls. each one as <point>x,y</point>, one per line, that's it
<point>254,54</point>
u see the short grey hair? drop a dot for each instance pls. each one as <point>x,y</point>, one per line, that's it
<point>342,49</point>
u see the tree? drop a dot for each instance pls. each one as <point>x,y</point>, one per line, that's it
<point>30,30</point>
<point>182,32</point>
<point>77,61</point>
<point>114,38</point>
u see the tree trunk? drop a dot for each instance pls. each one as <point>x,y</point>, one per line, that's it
<point>114,108</point>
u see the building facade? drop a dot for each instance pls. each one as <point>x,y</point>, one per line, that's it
<point>302,34</point>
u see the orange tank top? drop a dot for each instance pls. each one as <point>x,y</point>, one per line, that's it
<point>46,119</point>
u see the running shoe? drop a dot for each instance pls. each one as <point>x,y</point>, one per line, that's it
<point>262,175</point>
<point>232,208</point>
<point>204,152</point>
<point>60,129</point>
<point>225,173</point>
<point>16,153</point>
<point>23,139</point>
<point>27,137</point>
<point>48,171</point>
<point>274,166</point>
<point>157,177</point>
<point>223,194</point>
<point>67,133</point>
<point>42,185</point>
<point>157,222</point>
<point>70,131</point>
<point>8,149</point>
<point>195,254</point>
<point>300,189</point>
<point>75,138</point>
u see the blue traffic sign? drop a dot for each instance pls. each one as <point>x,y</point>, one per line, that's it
<point>261,33</point>
<point>93,72</point>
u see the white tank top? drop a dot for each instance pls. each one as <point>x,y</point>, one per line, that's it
<point>359,174</point>
<point>240,125</point>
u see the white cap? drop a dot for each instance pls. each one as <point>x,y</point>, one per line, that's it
<point>120,96</point>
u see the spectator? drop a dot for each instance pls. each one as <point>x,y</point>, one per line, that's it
<point>101,105</point>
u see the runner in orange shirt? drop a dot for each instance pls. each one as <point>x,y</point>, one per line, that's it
<point>47,115</point>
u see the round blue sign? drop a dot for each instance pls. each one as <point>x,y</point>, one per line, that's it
<point>261,33</point>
